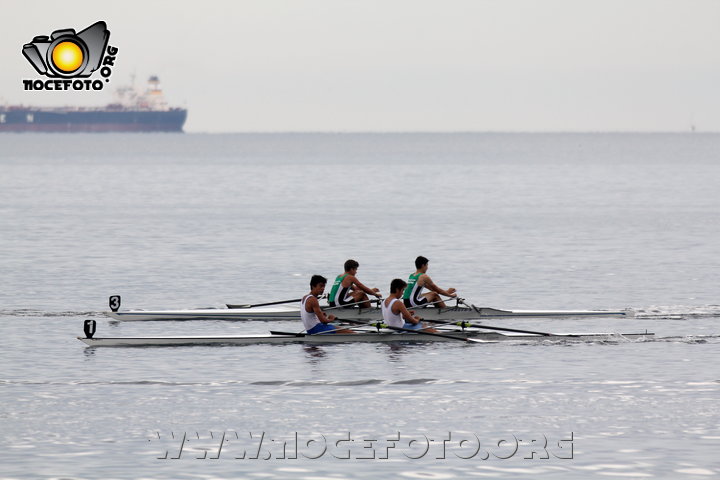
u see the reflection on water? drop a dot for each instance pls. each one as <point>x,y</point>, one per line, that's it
<point>315,353</point>
<point>395,351</point>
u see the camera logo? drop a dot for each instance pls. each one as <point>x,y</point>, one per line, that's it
<point>67,55</point>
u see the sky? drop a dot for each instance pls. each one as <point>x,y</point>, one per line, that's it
<point>397,65</point>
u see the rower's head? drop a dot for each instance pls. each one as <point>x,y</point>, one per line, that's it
<point>421,263</point>
<point>397,286</point>
<point>317,285</point>
<point>351,266</point>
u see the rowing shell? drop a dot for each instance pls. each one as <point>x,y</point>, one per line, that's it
<point>366,314</point>
<point>381,336</point>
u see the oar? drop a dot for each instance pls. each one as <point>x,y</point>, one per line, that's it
<point>422,332</point>
<point>325,309</point>
<point>502,329</point>
<point>433,303</point>
<point>229,305</point>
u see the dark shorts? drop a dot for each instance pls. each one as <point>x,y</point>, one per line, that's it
<point>420,303</point>
<point>321,328</point>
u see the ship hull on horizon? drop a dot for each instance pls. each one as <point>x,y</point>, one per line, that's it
<point>76,121</point>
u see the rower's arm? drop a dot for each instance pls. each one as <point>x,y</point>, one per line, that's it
<point>369,291</point>
<point>402,309</point>
<point>430,285</point>
<point>313,303</point>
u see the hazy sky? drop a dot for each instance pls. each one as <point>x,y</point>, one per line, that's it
<point>334,65</point>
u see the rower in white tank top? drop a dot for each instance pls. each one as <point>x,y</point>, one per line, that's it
<point>401,318</point>
<point>309,319</point>
<point>315,320</point>
<point>390,318</point>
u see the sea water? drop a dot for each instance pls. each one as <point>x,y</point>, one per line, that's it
<point>525,221</point>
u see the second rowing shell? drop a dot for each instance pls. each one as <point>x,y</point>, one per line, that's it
<point>367,314</point>
<point>349,338</point>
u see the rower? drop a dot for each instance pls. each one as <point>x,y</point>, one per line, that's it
<point>413,296</point>
<point>396,314</point>
<point>313,318</point>
<point>347,291</point>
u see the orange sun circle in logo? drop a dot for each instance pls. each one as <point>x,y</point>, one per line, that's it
<point>67,56</point>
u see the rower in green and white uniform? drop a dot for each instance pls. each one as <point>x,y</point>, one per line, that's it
<point>413,295</point>
<point>339,295</point>
<point>347,291</point>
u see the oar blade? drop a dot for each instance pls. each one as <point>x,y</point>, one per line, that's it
<point>295,334</point>
<point>477,340</point>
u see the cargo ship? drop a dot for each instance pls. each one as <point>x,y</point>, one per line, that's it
<point>134,111</point>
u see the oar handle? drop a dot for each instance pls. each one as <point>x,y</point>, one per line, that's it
<point>350,304</point>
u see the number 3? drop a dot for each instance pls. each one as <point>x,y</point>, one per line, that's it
<point>115,303</point>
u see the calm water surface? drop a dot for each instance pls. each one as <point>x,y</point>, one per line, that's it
<point>510,220</point>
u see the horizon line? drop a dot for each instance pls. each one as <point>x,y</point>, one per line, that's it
<point>446,132</point>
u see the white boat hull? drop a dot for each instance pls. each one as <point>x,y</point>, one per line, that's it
<point>368,314</point>
<point>381,336</point>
